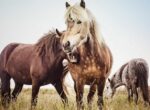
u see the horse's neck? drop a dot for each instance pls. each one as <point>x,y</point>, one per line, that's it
<point>95,39</point>
<point>118,80</point>
<point>52,57</point>
<point>119,75</point>
<point>94,44</point>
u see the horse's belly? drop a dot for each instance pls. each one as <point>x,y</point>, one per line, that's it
<point>20,73</point>
<point>88,73</point>
<point>21,77</point>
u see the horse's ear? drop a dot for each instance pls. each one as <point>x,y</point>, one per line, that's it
<point>82,3</point>
<point>67,5</point>
<point>58,33</point>
<point>108,79</point>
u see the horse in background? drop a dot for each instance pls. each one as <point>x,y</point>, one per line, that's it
<point>90,59</point>
<point>133,75</point>
<point>32,64</point>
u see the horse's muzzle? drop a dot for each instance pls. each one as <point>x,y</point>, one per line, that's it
<point>66,47</point>
<point>72,58</point>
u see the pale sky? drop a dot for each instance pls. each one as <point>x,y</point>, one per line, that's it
<point>125,24</point>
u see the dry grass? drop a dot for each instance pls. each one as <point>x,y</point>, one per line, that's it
<point>50,100</point>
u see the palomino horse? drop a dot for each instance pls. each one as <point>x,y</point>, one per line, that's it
<point>33,64</point>
<point>133,74</point>
<point>94,59</point>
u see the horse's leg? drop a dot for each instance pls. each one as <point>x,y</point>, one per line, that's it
<point>101,86</point>
<point>16,91</point>
<point>130,94</point>
<point>145,95</point>
<point>59,89</point>
<point>35,91</point>
<point>135,94</point>
<point>90,95</point>
<point>79,88</point>
<point>5,89</point>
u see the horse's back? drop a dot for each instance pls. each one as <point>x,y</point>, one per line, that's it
<point>140,66</point>
<point>136,70</point>
<point>5,54</point>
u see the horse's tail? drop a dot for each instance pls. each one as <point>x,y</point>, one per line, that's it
<point>4,56</point>
<point>143,71</point>
<point>65,71</point>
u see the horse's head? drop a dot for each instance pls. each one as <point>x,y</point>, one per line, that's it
<point>110,87</point>
<point>71,55</point>
<point>50,46</point>
<point>78,24</point>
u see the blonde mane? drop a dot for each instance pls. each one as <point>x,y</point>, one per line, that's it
<point>78,13</point>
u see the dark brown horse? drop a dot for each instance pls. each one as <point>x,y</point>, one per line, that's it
<point>90,59</point>
<point>33,64</point>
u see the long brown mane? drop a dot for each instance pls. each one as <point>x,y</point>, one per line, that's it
<point>47,44</point>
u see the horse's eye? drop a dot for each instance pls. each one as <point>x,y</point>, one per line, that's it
<point>79,22</point>
<point>107,87</point>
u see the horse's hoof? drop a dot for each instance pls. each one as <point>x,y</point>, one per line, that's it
<point>146,104</point>
<point>33,107</point>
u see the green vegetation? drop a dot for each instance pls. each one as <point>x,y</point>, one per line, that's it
<point>50,100</point>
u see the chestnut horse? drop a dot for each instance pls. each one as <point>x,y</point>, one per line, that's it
<point>90,59</point>
<point>32,64</point>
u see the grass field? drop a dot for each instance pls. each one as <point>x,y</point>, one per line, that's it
<point>50,100</point>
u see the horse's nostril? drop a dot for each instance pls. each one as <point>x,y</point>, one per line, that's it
<point>67,44</point>
<point>64,45</point>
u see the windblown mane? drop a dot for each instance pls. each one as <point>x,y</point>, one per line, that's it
<point>47,44</point>
<point>84,15</point>
<point>94,28</point>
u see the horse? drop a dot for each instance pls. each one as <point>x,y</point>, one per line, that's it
<point>33,64</point>
<point>133,75</point>
<point>89,58</point>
